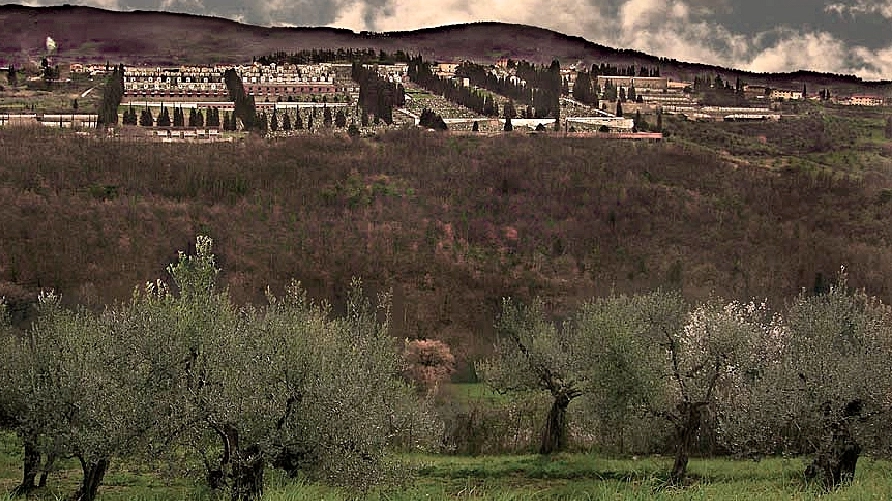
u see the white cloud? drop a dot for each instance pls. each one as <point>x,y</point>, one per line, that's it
<point>861,7</point>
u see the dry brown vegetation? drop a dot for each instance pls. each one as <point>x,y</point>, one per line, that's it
<point>451,223</point>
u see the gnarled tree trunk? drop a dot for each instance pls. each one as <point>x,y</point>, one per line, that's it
<point>554,436</point>
<point>94,472</point>
<point>247,475</point>
<point>686,429</point>
<point>30,466</point>
<point>241,469</point>
<point>834,463</point>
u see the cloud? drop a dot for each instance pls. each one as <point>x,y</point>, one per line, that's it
<point>842,36</point>
<point>861,7</point>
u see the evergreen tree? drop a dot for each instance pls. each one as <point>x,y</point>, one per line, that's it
<point>146,119</point>
<point>213,118</point>
<point>129,117</point>
<point>475,127</point>
<point>619,108</point>
<point>632,94</point>
<point>298,122</point>
<point>12,76</point>
<point>274,121</point>
<point>163,117</point>
<point>245,108</point>
<point>364,119</point>
<point>111,97</point>
<point>226,124</point>
<point>310,122</point>
<point>659,120</point>
<point>286,122</point>
<point>508,126</point>
<point>509,111</point>
<point>326,117</point>
<point>199,119</point>
<point>340,119</point>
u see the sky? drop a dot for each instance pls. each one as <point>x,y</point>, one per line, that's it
<point>840,36</point>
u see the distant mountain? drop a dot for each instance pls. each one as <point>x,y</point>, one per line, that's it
<point>91,34</point>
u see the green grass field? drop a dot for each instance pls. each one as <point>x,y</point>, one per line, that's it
<point>497,478</point>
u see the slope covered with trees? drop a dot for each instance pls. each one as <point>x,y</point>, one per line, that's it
<point>451,223</point>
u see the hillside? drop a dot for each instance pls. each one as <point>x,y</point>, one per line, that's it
<point>450,223</point>
<point>91,34</point>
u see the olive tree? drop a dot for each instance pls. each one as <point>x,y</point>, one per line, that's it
<point>289,384</point>
<point>652,356</point>
<point>827,390</point>
<point>533,353</point>
<point>71,382</point>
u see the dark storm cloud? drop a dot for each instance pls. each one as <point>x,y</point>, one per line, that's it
<point>848,36</point>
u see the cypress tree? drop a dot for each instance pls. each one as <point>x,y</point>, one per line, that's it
<point>274,121</point>
<point>286,122</point>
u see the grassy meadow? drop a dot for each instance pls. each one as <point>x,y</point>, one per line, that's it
<point>571,476</point>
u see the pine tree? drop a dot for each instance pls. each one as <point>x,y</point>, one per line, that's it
<point>146,119</point>
<point>163,117</point>
<point>619,108</point>
<point>226,124</point>
<point>298,122</point>
<point>199,119</point>
<point>340,119</point>
<point>508,126</point>
<point>213,118</point>
<point>286,122</point>
<point>326,116</point>
<point>274,121</point>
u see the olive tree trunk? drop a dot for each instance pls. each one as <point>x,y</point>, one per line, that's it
<point>834,464</point>
<point>554,436</point>
<point>94,472</point>
<point>240,469</point>
<point>30,466</point>
<point>686,429</point>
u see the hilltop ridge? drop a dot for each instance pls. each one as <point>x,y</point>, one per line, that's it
<point>143,37</point>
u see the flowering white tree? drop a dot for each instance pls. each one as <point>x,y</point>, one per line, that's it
<point>651,356</point>
<point>824,388</point>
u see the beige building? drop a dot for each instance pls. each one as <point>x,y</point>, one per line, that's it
<point>653,83</point>
<point>786,95</point>
<point>862,100</point>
